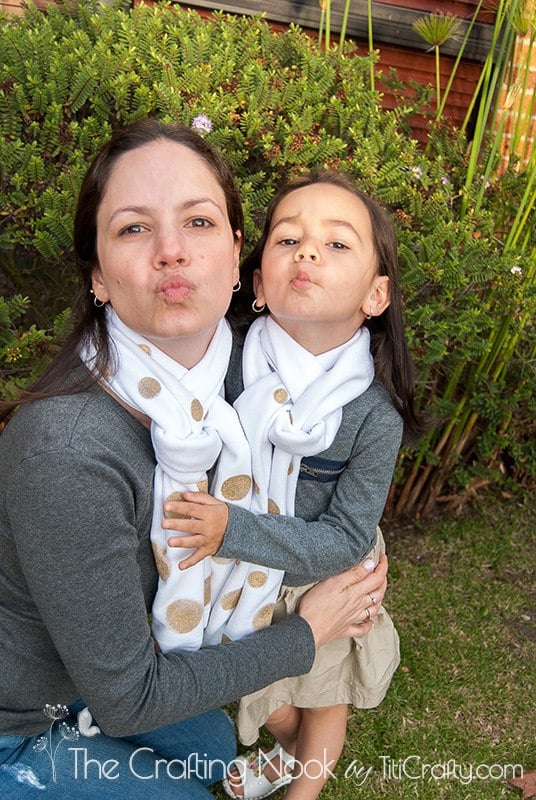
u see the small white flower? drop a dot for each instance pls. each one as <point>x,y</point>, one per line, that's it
<point>516,271</point>
<point>202,123</point>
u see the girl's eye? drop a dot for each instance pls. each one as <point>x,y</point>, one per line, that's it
<point>200,222</point>
<point>338,246</point>
<point>289,242</point>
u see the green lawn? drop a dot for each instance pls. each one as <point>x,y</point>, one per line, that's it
<point>461,709</point>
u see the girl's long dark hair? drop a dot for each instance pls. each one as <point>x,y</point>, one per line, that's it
<point>91,320</point>
<point>392,360</point>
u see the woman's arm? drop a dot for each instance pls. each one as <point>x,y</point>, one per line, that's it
<point>74,519</point>
<point>79,514</point>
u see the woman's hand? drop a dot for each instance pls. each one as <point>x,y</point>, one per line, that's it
<point>202,518</point>
<point>346,604</point>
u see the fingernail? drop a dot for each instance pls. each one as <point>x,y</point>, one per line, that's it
<point>370,564</point>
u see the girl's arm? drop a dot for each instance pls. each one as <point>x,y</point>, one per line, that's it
<point>311,546</point>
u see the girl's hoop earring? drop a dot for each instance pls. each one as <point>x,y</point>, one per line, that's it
<point>237,286</point>
<point>256,308</point>
<point>96,302</point>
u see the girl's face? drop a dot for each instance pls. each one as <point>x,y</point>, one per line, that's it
<point>167,257</point>
<point>318,272</point>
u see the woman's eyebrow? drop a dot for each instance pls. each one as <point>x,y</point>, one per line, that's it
<point>147,209</point>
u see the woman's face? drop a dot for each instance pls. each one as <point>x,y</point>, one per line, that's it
<point>167,257</point>
<point>319,274</point>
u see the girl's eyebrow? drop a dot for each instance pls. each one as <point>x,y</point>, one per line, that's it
<point>197,201</point>
<point>334,222</point>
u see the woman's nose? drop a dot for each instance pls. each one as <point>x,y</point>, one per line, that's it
<point>171,250</point>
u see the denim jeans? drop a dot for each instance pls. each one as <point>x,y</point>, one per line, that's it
<point>178,761</point>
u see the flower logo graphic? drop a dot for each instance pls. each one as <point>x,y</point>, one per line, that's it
<point>67,733</point>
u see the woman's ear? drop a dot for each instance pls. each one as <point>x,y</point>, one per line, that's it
<point>257,287</point>
<point>236,255</point>
<point>379,298</point>
<point>97,284</point>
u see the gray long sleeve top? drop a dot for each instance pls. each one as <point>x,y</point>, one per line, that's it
<point>335,520</point>
<point>77,579</point>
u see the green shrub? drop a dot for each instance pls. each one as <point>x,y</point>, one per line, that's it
<point>279,104</point>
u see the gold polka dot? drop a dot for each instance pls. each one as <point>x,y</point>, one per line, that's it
<point>208,593</point>
<point>174,497</point>
<point>220,560</point>
<point>257,579</point>
<point>263,617</point>
<point>281,395</point>
<point>184,615</point>
<point>230,600</point>
<point>203,485</point>
<point>149,388</point>
<point>256,487</point>
<point>162,563</point>
<point>236,488</point>
<point>290,468</point>
<point>145,348</point>
<point>225,639</point>
<point>196,409</point>
<point>273,508</point>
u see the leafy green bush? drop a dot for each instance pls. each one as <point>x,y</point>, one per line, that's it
<point>277,104</point>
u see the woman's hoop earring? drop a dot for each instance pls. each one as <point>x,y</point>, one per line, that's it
<point>256,308</point>
<point>96,302</point>
<point>237,286</point>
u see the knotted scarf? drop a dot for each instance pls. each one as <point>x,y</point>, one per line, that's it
<point>292,403</point>
<point>193,430</point>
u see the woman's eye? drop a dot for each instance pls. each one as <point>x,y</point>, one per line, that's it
<point>132,229</point>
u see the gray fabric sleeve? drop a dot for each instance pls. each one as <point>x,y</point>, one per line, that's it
<point>312,549</point>
<point>79,558</point>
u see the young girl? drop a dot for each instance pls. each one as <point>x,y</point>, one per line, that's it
<point>328,390</point>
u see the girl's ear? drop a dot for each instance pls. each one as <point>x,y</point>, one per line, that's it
<point>97,284</point>
<point>379,297</point>
<point>257,287</point>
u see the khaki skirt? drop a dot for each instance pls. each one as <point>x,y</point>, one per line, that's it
<point>352,671</point>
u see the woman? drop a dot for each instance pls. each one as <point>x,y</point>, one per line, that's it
<point>158,231</point>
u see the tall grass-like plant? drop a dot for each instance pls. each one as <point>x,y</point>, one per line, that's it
<point>324,28</point>
<point>436,29</point>
<point>446,446</point>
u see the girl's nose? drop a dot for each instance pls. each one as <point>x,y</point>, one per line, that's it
<point>307,251</point>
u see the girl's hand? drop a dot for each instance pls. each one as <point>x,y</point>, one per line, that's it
<point>203,518</point>
<point>346,604</point>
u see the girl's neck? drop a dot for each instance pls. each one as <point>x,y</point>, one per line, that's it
<point>314,337</point>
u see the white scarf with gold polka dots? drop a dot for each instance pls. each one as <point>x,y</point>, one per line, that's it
<point>291,406</point>
<point>193,428</point>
